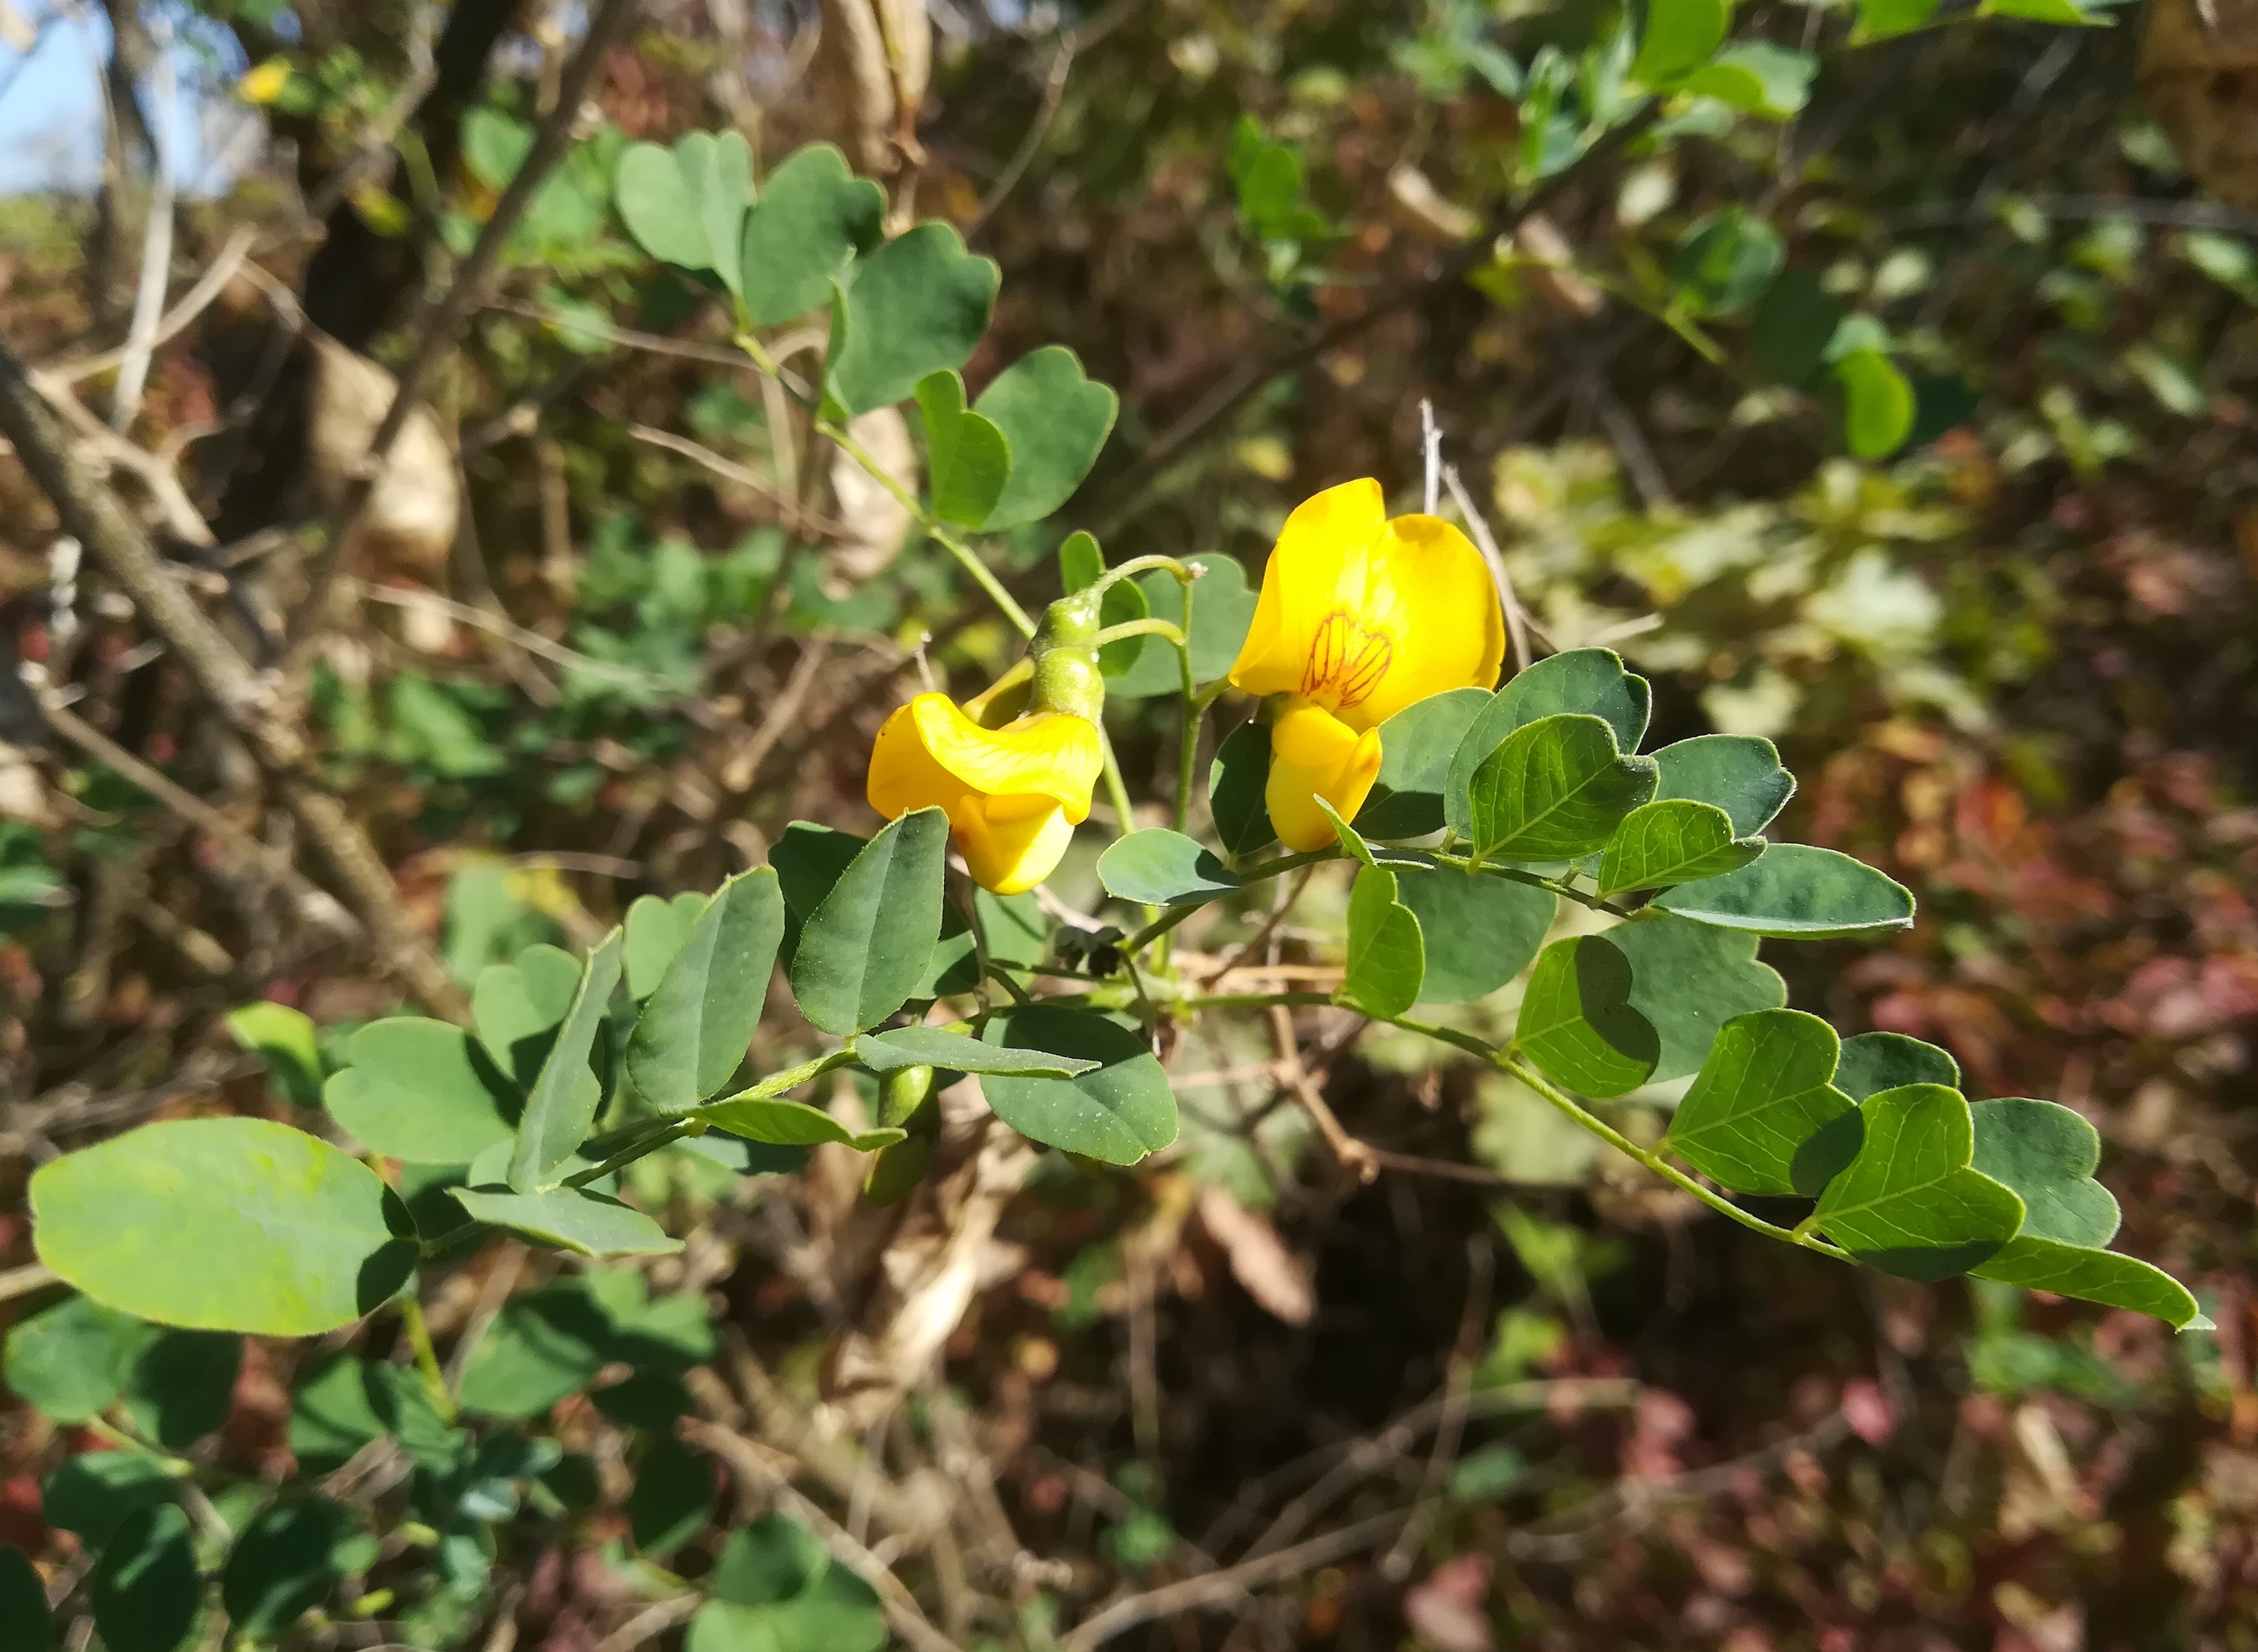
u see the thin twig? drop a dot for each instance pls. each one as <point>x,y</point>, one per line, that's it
<point>748,1458</point>
<point>1516,624</point>
<point>1221,1588</point>
<point>192,304</point>
<point>1236,389</point>
<point>807,521</point>
<point>1008,180</point>
<point>1354,1156</point>
<point>643,1630</point>
<point>314,902</point>
<point>497,625</point>
<point>437,327</point>
<point>1396,1565</point>
<point>156,245</point>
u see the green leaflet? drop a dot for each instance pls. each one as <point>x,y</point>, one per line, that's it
<point>1236,782</point>
<point>1555,789</point>
<point>571,1219</point>
<point>1160,867</point>
<point>1477,932</point>
<point>864,948</point>
<point>417,1089</point>
<point>968,458</point>
<point>936,1046</point>
<point>1055,420</point>
<point>1764,1093</point>
<point>812,216</point>
<point>1584,682</point>
<point>560,1109</point>
<point>1798,892</point>
<point>1911,1203</point>
<point>517,1008</point>
<point>1690,980</point>
<point>696,1025</point>
<point>238,1224</point>
<point>1387,959</point>
<point>1118,1111</point>
<point>1673,842</point>
<point>917,305</point>
<point>1578,1023</point>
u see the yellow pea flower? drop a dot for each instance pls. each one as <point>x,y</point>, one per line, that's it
<point>1359,617</point>
<point>1014,794</point>
<point>265,83</point>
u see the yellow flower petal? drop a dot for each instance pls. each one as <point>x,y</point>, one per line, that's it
<point>1315,755</point>
<point>1008,851</point>
<point>1013,795</point>
<point>1046,753</point>
<point>265,83</point>
<point>1363,616</point>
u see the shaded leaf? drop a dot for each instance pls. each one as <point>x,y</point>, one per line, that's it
<point>1477,932</point>
<point>1876,1061</point>
<point>1578,1023</point>
<point>416,1089</point>
<point>288,1558</point>
<point>2107,1277</point>
<point>1119,1112</point>
<point>1236,782</point>
<point>1055,420</point>
<point>2047,1154</point>
<point>1223,608</point>
<point>145,1593</point>
<point>1765,1092</point>
<point>672,1499</point>
<point>285,1039</point>
<point>560,1109</point>
<point>1415,747</point>
<point>71,1360</point>
<point>25,1623</point>
<point>1739,773</point>
<point>1689,980</point>
<point>518,1007</point>
<point>1910,1203</point>
<point>181,1385</point>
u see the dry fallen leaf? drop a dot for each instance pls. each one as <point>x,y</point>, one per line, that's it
<point>878,524</point>
<point>2199,75</point>
<point>410,528</point>
<point>1273,1275</point>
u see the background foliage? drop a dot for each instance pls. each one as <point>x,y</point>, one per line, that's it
<point>1908,427</point>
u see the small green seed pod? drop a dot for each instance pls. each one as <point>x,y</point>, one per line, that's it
<point>902,1092</point>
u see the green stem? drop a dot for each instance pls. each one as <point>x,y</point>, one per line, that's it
<point>1507,1062</point>
<point>426,1356</point>
<point>792,1078</point>
<point>1005,603</point>
<point>1117,791</point>
<point>1176,914</point>
<point>1167,630</point>
<point>1136,565</point>
<point>637,1146</point>
<point>1513,874</point>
